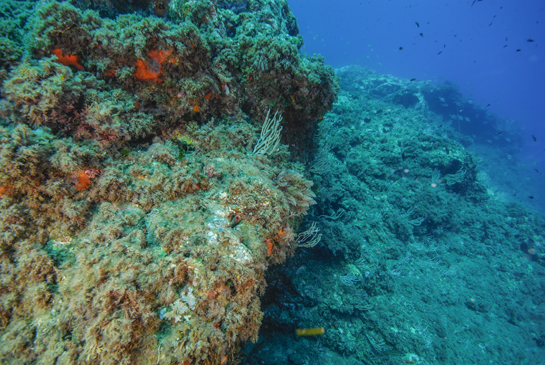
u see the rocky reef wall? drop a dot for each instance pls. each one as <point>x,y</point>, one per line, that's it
<point>136,218</point>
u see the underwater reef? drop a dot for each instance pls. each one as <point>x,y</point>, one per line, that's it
<point>422,258</point>
<point>146,183</point>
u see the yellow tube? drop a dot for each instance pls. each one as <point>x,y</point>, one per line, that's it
<point>310,331</point>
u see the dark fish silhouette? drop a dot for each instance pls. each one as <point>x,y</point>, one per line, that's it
<point>440,53</point>
<point>518,50</point>
<point>530,40</point>
<point>500,133</point>
<point>488,105</point>
<point>413,79</point>
<point>417,25</point>
<point>401,48</point>
<point>421,34</point>
<point>531,197</point>
<point>534,137</point>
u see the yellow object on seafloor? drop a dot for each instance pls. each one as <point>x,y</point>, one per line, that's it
<point>310,331</point>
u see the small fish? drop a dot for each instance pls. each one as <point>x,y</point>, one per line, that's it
<point>417,25</point>
<point>444,46</point>
<point>531,197</point>
<point>530,40</point>
<point>440,126</point>
<point>505,46</point>
<point>440,53</point>
<point>488,105</point>
<point>401,48</point>
<point>536,170</point>
<point>413,79</point>
<point>446,149</point>
<point>421,34</point>
<point>500,133</point>
<point>518,50</point>
<point>534,137</point>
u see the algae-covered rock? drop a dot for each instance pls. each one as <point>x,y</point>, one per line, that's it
<point>165,253</point>
<point>203,60</point>
<point>14,27</point>
<point>136,222</point>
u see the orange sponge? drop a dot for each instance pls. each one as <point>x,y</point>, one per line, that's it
<point>67,60</point>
